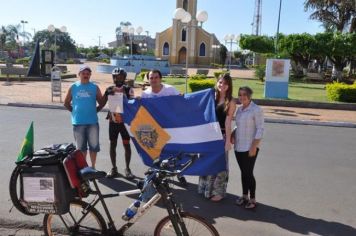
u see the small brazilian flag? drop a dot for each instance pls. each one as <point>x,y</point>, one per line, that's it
<point>27,145</point>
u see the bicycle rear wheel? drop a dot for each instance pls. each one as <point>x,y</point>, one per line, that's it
<point>195,225</point>
<point>14,189</point>
<point>80,220</point>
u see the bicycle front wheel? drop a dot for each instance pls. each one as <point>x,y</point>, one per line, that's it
<point>80,220</point>
<point>195,225</point>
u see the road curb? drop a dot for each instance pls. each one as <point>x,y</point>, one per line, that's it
<point>267,119</point>
<point>311,122</point>
<point>306,104</point>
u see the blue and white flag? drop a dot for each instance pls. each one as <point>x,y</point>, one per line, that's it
<point>165,126</point>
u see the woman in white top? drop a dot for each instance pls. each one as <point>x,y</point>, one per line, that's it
<point>246,138</point>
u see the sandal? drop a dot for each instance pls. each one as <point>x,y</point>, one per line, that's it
<point>112,173</point>
<point>128,174</point>
<point>241,201</point>
<point>251,205</point>
<point>216,198</point>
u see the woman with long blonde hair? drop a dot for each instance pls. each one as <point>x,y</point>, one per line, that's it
<point>214,187</point>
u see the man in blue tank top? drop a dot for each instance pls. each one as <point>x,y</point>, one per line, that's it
<point>81,100</point>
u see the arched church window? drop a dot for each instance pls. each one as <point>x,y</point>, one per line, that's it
<point>185,5</point>
<point>184,35</point>
<point>202,50</point>
<point>166,49</point>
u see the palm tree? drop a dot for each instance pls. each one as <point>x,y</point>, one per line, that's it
<point>336,15</point>
<point>118,30</point>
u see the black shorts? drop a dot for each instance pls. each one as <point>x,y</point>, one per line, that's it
<point>115,129</point>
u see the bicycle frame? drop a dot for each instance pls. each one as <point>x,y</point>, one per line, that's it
<point>162,191</point>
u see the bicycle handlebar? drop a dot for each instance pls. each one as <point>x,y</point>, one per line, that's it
<point>164,166</point>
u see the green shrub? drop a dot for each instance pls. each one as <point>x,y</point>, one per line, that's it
<point>70,61</point>
<point>260,72</point>
<point>215,65</point>
<point>217,74</point>
<point>198,77</point>
<point>341,92</point>
<point>25,61</point>
<point>141,75</point>
<point>105,60</point>
<point>196,85</point>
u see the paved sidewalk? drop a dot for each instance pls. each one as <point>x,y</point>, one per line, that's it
<point>39,93</point>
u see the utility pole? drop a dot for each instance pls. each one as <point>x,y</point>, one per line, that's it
<point>277,35</point>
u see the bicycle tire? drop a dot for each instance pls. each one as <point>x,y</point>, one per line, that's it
<point>56,224</point>
<point>191,221</point>
<point>13,185</point>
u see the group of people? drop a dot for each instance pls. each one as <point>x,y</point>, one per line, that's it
<point>84,99</point>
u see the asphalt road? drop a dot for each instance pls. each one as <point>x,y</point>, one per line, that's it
<point>305,179</point>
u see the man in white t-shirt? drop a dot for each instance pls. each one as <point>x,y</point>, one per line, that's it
<point>158,89</point>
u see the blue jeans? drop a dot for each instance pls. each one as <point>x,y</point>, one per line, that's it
<point>87,135</point>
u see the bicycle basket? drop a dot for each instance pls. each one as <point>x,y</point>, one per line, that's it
<point>45,189</point>
<point>44,186</point>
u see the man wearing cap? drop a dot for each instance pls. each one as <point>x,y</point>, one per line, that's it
<point>116,123</point>
<point>81,100</point>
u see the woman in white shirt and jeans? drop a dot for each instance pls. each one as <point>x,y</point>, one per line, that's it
<point>246,138</point>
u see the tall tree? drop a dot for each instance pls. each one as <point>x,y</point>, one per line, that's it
<point>64,42</point>
<point>118,30</point>
<point>336,15</point>
<point>299,48</point>
<point>258,44</point>
<point>339,48</point>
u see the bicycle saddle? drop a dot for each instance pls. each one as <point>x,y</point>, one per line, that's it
<point>89,173</point>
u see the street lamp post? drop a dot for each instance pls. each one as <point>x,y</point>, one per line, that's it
<point>231,39</point>
<point>23,22</point>
<point>143,46</point>
<point>131,32</point>
<point>185,17</point>
<point>215,46</point>
<point>52,29</point>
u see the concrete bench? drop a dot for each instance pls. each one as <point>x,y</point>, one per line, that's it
<point>177,73</point>
<point>64,69</point>
<point>202,71</point>
<point>13,71</point>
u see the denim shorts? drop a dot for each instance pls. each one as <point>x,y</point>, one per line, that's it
<point>87,135</point>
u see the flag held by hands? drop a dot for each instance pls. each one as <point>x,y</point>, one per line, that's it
<point>165,126</point>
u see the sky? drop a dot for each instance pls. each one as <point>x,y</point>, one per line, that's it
<point>89,20</point>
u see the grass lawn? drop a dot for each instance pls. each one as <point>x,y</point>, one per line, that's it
<point>297,90</point>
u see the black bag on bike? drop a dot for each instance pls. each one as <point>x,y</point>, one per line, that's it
<point>44,186</point>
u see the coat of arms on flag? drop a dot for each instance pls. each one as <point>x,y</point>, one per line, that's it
<point>148,133</point>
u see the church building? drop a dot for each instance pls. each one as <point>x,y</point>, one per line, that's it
<point>171,44</point>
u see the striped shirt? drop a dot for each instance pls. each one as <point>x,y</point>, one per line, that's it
<point>249,126</point>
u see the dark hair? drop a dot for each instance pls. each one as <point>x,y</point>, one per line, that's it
<point>248,91</point>
<point>228,96</point>
<point>155,71</point>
